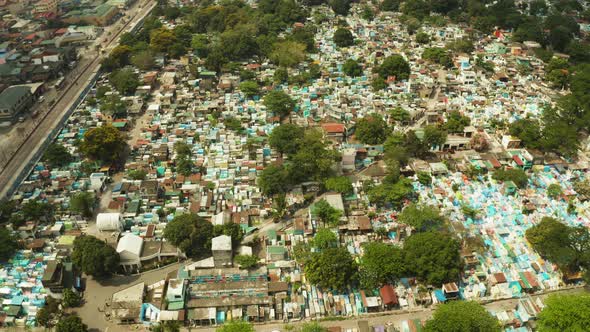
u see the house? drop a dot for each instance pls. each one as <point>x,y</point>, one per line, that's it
<point>222,251</point>
<point>388,296</point>
<point>129,249</point>
<point>334,131</point>
<point>125,305</point>
<point>13,102</point>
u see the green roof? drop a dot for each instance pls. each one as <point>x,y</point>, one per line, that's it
<point>176,305</point>
<point>11,96</point>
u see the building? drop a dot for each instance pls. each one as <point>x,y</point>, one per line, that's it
<point>125,305</point>
<point>101,16</point>
<point>129,249</point>
<point>13,102</point>
<point>46,6</point>
<point>134,252</point>
<point>222,251</point>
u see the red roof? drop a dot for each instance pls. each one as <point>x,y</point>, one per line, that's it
<point>518,161</point>
<point>495,163</point>
<point>333,128</point>
<point>388,295</point>
<point>31,36</point>
<point>61,31</point>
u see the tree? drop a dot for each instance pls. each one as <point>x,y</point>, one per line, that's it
<point>324,239</point>
<point>331,268</point>
<point>433,257</point>
<point>565,313</point>
<point>392,193</point>
<point>400,115</point>
<point>143,60</point>
<point>312,327</point>
<point>566,246</point>
<point>340,7</point>
<point>313,161</point>
<point>456,122</point>
<point>422,37</point>
<point>113,105</point>
<point>162,39</point>
<point>235,326</point>
<point>422,218</point>
<point>352,68</point>
<point>274,180</point>
<point>249,88</point>
<point>9,244</point>
<point>57,155</point>
<point>190,233</point>
<point>37,209</point>
<point>378,83</point>
<point>200,45</point>
<point>390,5</point>
<point>554,190</point>
<point>288,53</point>
<point>119,56</point>
<point>71,323</point>
<point>464,45</point>
<point>371,129</point>
<point>71,299</point>
<point>434,136</point>
<point>94,257</point>
<point>279,103</point>
<point>380,264</point>
<point>167,326</point>
<point>516,175</point>
<point>424,178</point>
<point>82,203</point>
<point>326,213</point>
<point>341,184</point>
<point>286,138</point>
<point>246,261</point>
<point>438,55</point>
<point>394,65</point>
<point>125,81</point>
<point>462,316</point>
<point>104,143</point>
<point>528,131</point>
<point>281,75</point>
<point>343,37</point>
<point>43,318</point>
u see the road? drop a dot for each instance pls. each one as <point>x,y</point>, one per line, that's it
<point>47,122</point>
<point>97,293</point>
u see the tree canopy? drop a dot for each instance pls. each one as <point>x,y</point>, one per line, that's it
<point>279,102</point>
<point>332,268</point>
<point>94,257</point>
<point>235,326</point>
<point>286,138</point>
<point>352,68</point>
<point>462,316</point>
<point>394,65</point>
<point>341,184</point>
<point>324,238</point>
<point>422,217</point>
<point>516,175</point>
<point>104,143</point>
<point>57,155</point>
<point>566,246</point>
<point>371,129</point>
<point>343,37</point>
<point>191,234</point>
<point>326,213</point>
<point>9,244</point>
<point>82,203</point>
<point>565,313</point>
<point>433,257</point>
<point>71,323</point>
<point>381,263</point>
<point>125,81</point>
<point>274,180</point>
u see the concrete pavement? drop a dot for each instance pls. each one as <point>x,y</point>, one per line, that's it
<point>51,118</point>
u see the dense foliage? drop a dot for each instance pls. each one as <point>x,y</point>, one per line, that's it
<point>94,257</point>
<point>462,316</point>
<point>332,268</point>
<point>565,313</point>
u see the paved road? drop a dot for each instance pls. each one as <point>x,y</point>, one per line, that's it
<point>50,121</point>
<point>97,293</point>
